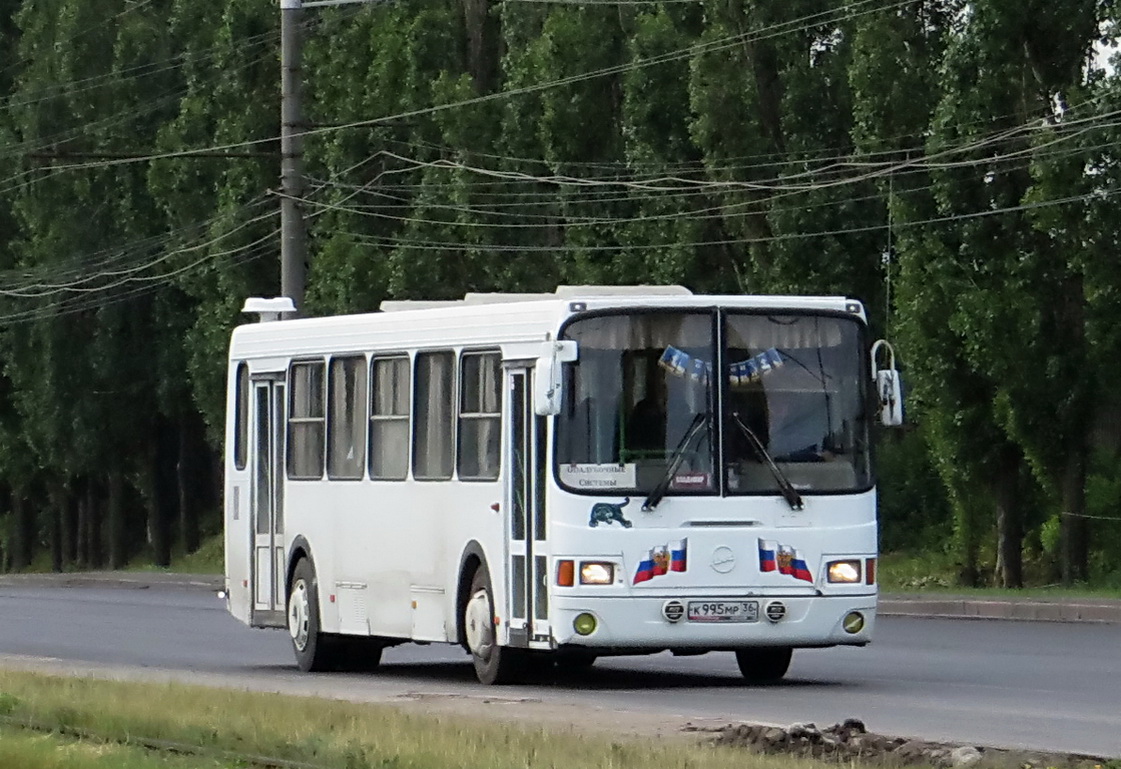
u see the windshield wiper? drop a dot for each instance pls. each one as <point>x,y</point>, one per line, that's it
<point>659,491</point>
<point>792,497</point>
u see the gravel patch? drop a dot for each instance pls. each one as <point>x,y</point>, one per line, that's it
<point>850,742</point>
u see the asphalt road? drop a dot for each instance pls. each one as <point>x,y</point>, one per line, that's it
<point>1036,685</point>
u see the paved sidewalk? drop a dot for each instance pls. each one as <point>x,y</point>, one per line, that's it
<point>1000,607</point>
<point>1102,610</point>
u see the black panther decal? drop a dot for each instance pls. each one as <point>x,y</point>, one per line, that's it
<point>606,512</point>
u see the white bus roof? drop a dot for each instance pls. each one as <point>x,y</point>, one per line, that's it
<point>480,320</point>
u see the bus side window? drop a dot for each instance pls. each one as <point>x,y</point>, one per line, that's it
<point>434,426</point>
<point>241,418</point>
<point>480,414</point>
<point>391,388</point>
<point>346,418</point>
<point>306,421</point>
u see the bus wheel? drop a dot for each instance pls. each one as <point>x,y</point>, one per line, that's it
<point>494,664</point>
<point>764,664</point>
<point>312,647</point>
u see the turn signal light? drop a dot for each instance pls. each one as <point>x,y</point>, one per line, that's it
<point>566,573</point>
<point>870,571</point>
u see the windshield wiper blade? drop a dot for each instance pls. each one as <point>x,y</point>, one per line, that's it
<point>659,491</point>
<point>789,493</point>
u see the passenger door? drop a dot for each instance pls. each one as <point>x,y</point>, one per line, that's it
<point>266,489</point>
<point>527,592</point>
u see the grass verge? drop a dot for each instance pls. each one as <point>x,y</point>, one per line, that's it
<point>934,572</point>
<point>233,728</point>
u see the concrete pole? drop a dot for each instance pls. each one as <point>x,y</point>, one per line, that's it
<point>293,230</point>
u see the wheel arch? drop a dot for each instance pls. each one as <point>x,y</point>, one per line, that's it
<point>299,549</point>
<point>469,562</point>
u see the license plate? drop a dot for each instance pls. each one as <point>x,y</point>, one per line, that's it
<point>723,611</point>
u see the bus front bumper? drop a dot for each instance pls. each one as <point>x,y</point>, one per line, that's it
<point>642,624</point>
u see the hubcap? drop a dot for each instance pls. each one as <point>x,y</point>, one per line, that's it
<point>299,610</point>
<point>480,634</point>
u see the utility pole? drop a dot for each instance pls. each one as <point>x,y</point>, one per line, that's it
<point>293,229</point>
<point>293,185</point>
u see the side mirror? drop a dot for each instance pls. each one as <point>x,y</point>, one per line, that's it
<point>547,391</point>
<point>889,390</point>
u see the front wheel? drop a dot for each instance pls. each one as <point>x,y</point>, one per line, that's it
<point>764,664</point>
<point>312,648</point>
<point>494,664</point>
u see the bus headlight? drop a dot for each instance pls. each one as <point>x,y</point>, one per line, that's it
<point>844,571</point>
<point>597,573</point>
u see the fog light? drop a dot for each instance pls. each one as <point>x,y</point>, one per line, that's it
<point>596,573</point>
<point>844,571</point>
<point>775,611</point>
<point>853,622</point>
<point>584,624</point>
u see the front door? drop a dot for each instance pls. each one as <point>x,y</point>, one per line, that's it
<point>267,458</point>
<point>527,590</point>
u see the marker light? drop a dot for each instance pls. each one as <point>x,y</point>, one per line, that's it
<point>584,624</point>
<point>596,573</point>
<point>566,573</point>
<point>844,571</point>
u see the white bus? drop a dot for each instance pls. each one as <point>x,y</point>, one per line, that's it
<point>546,479</point>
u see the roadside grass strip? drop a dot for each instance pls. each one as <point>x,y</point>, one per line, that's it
<point>21,749</point>
<point>194,726</point>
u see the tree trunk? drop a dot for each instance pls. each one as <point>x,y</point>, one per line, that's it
<point>969,574</point>
<point>55,506</point>
<point>162,493</point>
<point>94,507</point>
<point>23,528</point>
<point>1009,521</point>
<point>190,477</point>
<point>81,502</point>
<point>115,518</point>
<point>1074,553</point>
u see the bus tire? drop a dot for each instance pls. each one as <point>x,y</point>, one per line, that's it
<point>312,647</point>
<point>764,664</point>
<point>494,664</point>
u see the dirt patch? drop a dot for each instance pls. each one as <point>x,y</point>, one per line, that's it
<point>851,742</point>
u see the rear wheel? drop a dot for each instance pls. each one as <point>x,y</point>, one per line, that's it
<point>764,664</point>
<point>494,664</point>
<point>313,649</point>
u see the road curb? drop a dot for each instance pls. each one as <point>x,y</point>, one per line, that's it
<point>135,580</point>
<point>1021,609</point>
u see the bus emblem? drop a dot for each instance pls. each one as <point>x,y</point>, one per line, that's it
<point>723,560</point>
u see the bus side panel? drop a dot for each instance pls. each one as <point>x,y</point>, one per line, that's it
<point>237,515</point>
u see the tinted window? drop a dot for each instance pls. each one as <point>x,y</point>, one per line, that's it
<point>433,429</point>
<point>389,418</point>
<point>305,420</point>
<point>346,418</point>
<point>480,416</point>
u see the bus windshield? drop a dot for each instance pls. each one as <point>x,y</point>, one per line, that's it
<point>640,412</point>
